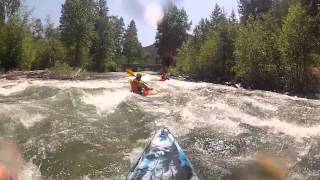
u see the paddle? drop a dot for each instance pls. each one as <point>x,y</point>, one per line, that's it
<point>130,72</point>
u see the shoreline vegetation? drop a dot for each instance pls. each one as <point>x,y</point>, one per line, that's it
<point>267,49</point>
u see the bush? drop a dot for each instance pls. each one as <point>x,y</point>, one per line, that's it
<point>257,57</point>
<point>62,70</point>
<point>48,53</point>
<point>112,66</point>
<point>16,47</point>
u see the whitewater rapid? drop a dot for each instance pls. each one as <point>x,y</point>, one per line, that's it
<point>96,129</point>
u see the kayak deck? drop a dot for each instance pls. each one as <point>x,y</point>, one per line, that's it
<point>163,159</point>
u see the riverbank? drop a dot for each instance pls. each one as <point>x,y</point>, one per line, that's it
<point>238,84</point>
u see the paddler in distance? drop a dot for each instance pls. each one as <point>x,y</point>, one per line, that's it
<point>138,86</point>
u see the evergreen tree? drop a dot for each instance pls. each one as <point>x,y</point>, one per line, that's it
<point>103,45</point>
<point>8,9</point>
<point>216,16</point>
<point>280,9</point>
<point>119,30</point>
<point>172,32</point>
<point>201,31</point>
<point>233,18</point>
<point>210,56</point>
<point>132,48</point>
<point>77,29</point>
<point>37,29</point>
<point>253,8</point>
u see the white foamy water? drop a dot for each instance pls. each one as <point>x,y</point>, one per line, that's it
<point>30,172</point>
<point>9,87</point>
<point>29,120</point>
<point>261,119</point>
<point>107,101</point>
<point>19,113</point>
<point>217,114</point>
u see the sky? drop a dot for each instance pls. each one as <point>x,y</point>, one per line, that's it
<point>146,13</point>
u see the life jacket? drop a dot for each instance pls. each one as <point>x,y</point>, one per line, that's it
<point>134,86</point>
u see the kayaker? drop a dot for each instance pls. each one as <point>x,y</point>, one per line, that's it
<point>138,86</point>
<point>164,77</point>
<point>163,74</point>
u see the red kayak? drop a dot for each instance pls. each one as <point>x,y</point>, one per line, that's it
<point>146,92</point>
<point>162,78</point>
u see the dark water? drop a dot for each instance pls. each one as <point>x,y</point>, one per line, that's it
<point>97,129</point>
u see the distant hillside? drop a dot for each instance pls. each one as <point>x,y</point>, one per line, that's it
<point>151,53</point>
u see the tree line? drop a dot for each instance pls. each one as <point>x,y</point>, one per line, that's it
<point>87,37</point>
<point>274,45</point>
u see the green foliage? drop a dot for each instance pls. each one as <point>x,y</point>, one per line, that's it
<point>111,66</point>
<point>77,29</point>
<point>16,47</point>
<point>257,57</point>
<point>103,44</point>
<point>270,50</point>
<point>87,37</point>
<point>8,9</point>
<point>48,53</point>
<point>201,31</point>
<point>185,59</point>
<point>37,29</point>
<point>132,48</point>
<point>119,30</point>
<point>208,61</point>
<point>253,8</point>
<point>209,55</point>
<point>172,32</point>
<point>217,16</point>
<point>49,48</point>
<point>297,44</point>
<point>62,70</point>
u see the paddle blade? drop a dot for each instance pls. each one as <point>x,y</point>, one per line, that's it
<point>130,72</point>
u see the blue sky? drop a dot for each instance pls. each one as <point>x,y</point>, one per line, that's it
<point>142,11</point>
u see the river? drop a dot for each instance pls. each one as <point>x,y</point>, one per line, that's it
<point>96,129</point>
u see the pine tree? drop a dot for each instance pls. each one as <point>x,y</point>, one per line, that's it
<point>280,9</point>
<point>201,31</point>
<point>119,30</point>
<point>37,29</point>
<point>132,48</point>
<point>253,8</point>
<point>103,45</point>
<point>216,16</point>
<point>8,8</point>
<point>77,29</point>
<point>233,18</point>
<point>172,32</point>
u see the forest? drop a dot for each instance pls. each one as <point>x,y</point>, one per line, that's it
<point>274,45</point>
<point>87,37</point>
